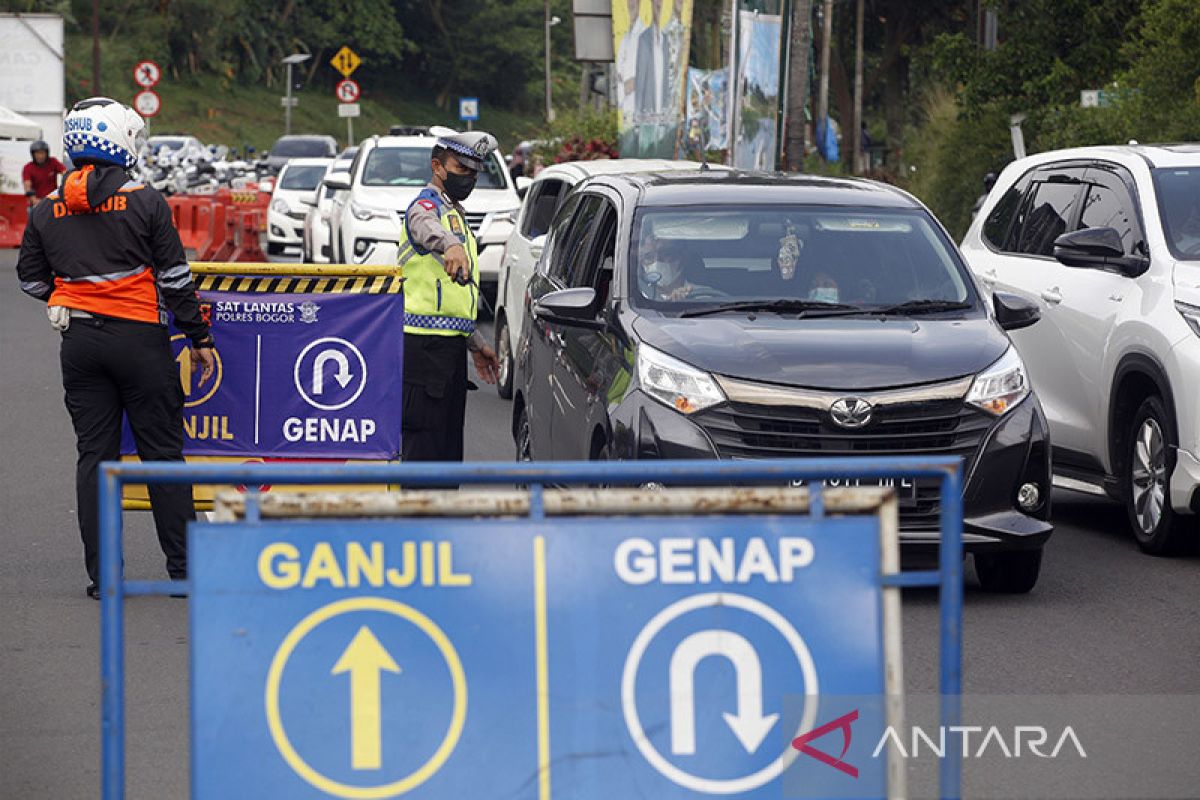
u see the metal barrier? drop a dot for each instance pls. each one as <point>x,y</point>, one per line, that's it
<point>533,504</point>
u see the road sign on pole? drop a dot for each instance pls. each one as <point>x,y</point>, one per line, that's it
<point>345,61</point>
<point>147,102</point>
<point>146,74</point>
<point>347,91</point>
<point>468,110</point>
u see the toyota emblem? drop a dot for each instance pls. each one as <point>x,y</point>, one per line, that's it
<point>850,412</point>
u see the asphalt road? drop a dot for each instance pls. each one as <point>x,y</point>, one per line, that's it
<point>1103,620</point>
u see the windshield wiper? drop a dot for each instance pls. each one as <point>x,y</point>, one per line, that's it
<point>781,306</point>
<point>923,307</point>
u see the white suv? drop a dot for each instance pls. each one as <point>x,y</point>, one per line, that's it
<point>387,174</point>
<point>1106,240</point>
<point>524,246</point>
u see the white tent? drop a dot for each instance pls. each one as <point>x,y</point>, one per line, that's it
<point>15,126</point>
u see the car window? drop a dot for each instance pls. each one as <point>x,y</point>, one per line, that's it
<point>601,248</point>
<point>1178,193</point>
<point>1108,204</point>
<point>540,207</point>
<point>493,175</point>
<point>998,226</point>
<point>558,231</point>
<point>302,178</point>
<point>397,166</point>
<point>570,253</point>
<point>867,257</point>
<point>1047,212</point>
<point>301,148</point>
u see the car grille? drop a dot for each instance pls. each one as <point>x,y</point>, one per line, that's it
<point>940,427</point>
<point>475,221</point>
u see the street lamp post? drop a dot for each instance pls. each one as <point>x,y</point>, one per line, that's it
<point>291,61</point>
<point>550,23</point>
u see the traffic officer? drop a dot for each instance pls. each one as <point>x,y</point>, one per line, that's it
<point>439,255</point>
<point>104,256</point>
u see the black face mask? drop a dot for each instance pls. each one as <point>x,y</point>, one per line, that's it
<point>458,187</point>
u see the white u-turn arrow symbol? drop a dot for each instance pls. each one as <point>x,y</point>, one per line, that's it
<point>748,724</point>
<point>342,376</point>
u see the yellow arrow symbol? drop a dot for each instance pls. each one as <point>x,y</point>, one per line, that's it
<point>364,658</point>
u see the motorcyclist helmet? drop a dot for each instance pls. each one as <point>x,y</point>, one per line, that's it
<point>102,130</point>
<point>38,145</point>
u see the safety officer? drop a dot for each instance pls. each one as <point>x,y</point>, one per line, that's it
<point>102,253</point>
<point>439,255</point>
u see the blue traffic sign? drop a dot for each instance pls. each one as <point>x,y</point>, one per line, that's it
<point>468,109</point>
<point>594,658</point>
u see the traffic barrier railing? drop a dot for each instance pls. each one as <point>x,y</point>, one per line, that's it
<point>14,213</point>
<point>538,600</point>
<point>230,419</point>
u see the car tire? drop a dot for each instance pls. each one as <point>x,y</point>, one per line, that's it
<point>1012,572</point>
<point>274,249</point>
<point>504,384</point>
<point>1149,459</point>
<point>523,438</point>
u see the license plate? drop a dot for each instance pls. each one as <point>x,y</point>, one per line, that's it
<point>906,488</point>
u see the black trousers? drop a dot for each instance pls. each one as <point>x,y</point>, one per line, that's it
<point>113,366</point>
<point>435,398</point>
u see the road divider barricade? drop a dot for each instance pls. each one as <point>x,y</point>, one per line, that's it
<point>725,634</point>
<point>14,213</point>
<point>309,365</point>
<point>224,226</point>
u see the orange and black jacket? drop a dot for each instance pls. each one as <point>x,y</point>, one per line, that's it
<point>106,245</point>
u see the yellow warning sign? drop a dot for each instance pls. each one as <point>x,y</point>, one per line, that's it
<point>345,61</point>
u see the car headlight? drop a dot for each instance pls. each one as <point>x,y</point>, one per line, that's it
<point>676,384</point>
<point>1002,385</point>
<point>1191,315</point>
<point>366,213</point>
<point>280,205</point>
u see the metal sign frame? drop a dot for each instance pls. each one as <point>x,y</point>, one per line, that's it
<point>947,578</point>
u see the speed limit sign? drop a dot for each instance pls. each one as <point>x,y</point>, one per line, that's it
<point>147,103</point>
<point>347,91</point>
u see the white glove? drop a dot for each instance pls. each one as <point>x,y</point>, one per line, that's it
<point>60,317</point>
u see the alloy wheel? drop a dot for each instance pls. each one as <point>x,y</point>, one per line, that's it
<point>1149,476</point>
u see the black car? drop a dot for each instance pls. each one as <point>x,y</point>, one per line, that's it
<point>298,146</point>
<point>733,315</point>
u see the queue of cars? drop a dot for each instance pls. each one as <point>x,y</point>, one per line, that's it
<point>668,310</point>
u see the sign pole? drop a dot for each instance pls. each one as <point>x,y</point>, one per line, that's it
<point>349,131</point>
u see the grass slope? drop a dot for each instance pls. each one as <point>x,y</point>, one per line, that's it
<point>219,110</point>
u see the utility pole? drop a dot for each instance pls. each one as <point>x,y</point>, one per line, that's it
<point>96,91</point>
<point>797,83</point>
<point>823,90</point>
<point>549,97</point>
<point>856,165</point>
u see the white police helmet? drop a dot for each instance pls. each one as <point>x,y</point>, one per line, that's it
<point>100,129</point>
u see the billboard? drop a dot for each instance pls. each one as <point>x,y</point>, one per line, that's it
<point>707,124</point>
<point>650,43</point>
<point>756,129</point>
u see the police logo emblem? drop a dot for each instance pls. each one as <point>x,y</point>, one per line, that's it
<point>481,147</point>
<point>308,312</point>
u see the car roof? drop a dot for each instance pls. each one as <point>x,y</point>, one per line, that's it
<point>681,188</point>
<point>308,162</point>
<point>410,141</point>
<point>310,136</point>
<point>579,170</point>
<point>1182,154</point>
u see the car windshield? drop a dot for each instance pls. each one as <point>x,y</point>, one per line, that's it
<point>300,148</point>
<point>172,143</point>
<point>793,257</point>
<point>410,166</point>
<point>302,178</point>
<point>1179,208</point>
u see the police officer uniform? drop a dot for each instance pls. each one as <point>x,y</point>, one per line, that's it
<point>104,255</point>
<point>439,311</point>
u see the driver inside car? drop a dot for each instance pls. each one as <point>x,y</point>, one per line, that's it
<point>663,271</point>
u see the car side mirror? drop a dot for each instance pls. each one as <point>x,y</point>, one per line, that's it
<point>337,183</point>
<point>1014,312</point>
<point>573,307</point>
<point>1098,248</point>
<point>523,182</point>
<point>537,246</point>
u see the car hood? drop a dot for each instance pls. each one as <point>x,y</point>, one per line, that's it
<point>399,198</point>
<point>483,201</point>
<point>838,354</point>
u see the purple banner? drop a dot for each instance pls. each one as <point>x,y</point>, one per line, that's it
<point>298,376</point>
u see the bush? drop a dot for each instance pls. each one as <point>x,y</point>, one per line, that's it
<point>577,135</point>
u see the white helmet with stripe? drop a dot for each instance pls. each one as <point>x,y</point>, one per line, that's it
<point>101,129</point>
